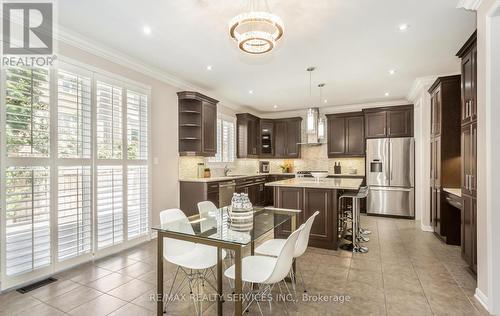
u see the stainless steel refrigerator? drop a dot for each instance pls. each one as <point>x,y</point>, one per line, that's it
<point>390,168</point>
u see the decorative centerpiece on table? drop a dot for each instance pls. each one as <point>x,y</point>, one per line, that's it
<point>240,213</point>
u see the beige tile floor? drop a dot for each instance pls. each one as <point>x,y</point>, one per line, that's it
<point>406,272</point>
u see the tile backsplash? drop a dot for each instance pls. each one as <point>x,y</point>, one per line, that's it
<point>312,158</point>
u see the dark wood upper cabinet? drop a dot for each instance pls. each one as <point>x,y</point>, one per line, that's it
<point>280,138</point>
<point>197,124</point>
<point>293,137</point>
<point>345,133</point>
<point>396,121</point>
<point>209,134</point>
<point>468,55</point>
<point>247,135</point>
<point>336,135</point>
<point>375,124</point>
<point>266,138</point>
<point>400,123</point>
<point>355,135</point>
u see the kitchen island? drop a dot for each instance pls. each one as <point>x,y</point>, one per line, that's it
<point>309,195</point>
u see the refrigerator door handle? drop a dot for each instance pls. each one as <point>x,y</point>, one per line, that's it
<point>390,159</point>
<point>388,162</point>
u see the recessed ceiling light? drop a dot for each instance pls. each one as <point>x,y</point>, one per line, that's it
<point>209,67</point>
<point>250,91</point>
<point>403,27</point>
<point>386,94</point>
<point>275,106</point>
<point>146,29</point>
<point>392,72</point>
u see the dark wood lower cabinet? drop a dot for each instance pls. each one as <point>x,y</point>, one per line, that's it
<point>323,230</point>
<point>291,198</point>
<point>308,200</point>
<point>469,231</point>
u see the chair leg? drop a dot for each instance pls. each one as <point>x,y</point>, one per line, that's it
<point>301,278</point>
<point>181,285</point>
<point>284,301</point>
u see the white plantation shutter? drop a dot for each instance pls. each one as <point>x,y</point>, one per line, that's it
<point>109,121</point>
<point>137,201</point>
<point>109,206</point>
<point>137,125</point>
<point>27,221</point>
<point>228,139</point>
<point>225,142</point>
<point>74,211</point>
<point>27,112</point>
<point>74,115</point>
<point>74,169</point>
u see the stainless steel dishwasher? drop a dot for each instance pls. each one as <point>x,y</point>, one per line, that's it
<point>226,190</point>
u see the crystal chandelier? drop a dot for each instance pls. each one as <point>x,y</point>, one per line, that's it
<point>256,30</point>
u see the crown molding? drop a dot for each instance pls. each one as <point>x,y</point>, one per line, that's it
<point>85,44</point>
<point>469,4</point>
<point>335,109</point>
<point>420,84</point>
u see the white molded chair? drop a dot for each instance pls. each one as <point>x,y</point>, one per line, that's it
<point>273,247</point>
<point>206,209</point>
<point>267,271</point>
<point>194,260</point>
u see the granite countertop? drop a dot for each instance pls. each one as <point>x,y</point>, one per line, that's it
<point>214,179</point>
<point>339,183</point>
<point>454,191</point>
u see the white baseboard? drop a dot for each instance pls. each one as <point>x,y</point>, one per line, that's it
<point>426,228</point>
<point>482,299</point>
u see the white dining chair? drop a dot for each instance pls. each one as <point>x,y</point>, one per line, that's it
<point>194,260</point>
<point>267,271</point>
<point>273,248</point>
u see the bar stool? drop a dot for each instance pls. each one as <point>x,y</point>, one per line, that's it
<point>358,233</point>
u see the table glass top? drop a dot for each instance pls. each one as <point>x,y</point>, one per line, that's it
<point>217,225</point>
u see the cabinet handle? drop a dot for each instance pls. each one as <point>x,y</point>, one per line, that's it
<point>384,131</point>
<point>471,104</point>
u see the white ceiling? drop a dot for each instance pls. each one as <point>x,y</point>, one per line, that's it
<point>353,44</point>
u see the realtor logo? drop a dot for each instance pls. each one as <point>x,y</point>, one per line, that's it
<point>27,30</point>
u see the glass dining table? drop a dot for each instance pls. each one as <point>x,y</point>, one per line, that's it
<point>217,230</point>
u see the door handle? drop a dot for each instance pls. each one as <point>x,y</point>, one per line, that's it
<point>390,159</point>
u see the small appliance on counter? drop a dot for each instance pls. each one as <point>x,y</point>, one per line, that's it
<point>201,170</point>
<point>264,166</point>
